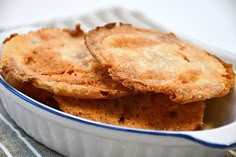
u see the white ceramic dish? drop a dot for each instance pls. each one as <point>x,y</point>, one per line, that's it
<point>74,136</point>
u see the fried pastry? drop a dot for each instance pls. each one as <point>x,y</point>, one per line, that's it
<point>145,111</point>
<point>150,61</point>
<point>57,61</point>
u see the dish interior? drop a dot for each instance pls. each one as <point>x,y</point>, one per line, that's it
<point>220,111</point>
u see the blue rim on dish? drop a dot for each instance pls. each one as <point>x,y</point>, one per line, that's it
<point>113,127</point>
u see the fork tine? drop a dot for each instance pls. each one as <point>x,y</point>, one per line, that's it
<point>127,17</point>
<point>87,22</point>
<point>107,16</point>
<point>92,21</point>
<point>139,16</point>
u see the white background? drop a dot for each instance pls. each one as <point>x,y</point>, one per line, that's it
<point>210,21</point>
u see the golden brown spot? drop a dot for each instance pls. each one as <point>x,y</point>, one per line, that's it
<point>172,35</point>
<point>121,120</point>
<point>70,72</point>
<point>182,48</point>
<point>127,42</point>
<point>29,60</point>
<point>75,33</point>
<point>110,25</point>
<point>184,57</point>
<point>227,76</point>
<point>189,76</point>
<point>104,93</point>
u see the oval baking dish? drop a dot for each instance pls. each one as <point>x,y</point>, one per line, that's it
<point>73,136</point>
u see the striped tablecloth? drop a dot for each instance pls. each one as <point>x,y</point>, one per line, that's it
<point>14,142</point>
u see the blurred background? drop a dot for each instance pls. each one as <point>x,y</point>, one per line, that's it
<point>212,22</point>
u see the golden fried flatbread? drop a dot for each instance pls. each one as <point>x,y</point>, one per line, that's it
<point>146,111</point>
<point>38,94</point>
<point>57,61</point>
<point>150,61</point>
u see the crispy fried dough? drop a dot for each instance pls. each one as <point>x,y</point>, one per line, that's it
<point>147,111</point>
<point>40,95</point>
<point>151,61</point>
<point>57,61</point>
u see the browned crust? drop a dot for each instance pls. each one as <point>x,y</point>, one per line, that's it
<point>9,38</point>
<point>28,89</point>
<point>181,92</point>
<point>77,32</point>
<point>145,111</point>
<point>58,73</point>
<point>230,75</point>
